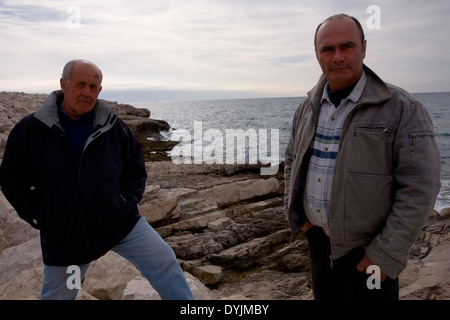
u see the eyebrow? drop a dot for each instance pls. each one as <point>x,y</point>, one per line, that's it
<point>347,44</point>
<point>340,45</point>
<point>82,82</point>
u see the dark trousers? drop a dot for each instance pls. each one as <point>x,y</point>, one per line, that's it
<point>341,280</point>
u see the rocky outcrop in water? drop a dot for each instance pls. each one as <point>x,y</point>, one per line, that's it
<point>14,106</point>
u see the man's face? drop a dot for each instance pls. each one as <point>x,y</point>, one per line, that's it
<point>80,94</point>
<point>340,52</point>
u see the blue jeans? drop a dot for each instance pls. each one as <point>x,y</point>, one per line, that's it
<point>143,247</point>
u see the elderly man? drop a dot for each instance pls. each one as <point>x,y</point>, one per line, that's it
<point>75,171</point>
<point>362,171</point>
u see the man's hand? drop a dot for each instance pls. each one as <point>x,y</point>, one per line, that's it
<point>365,263</point>
<point>306,226</point>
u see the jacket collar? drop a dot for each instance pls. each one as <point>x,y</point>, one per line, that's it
<point>375,91</point>
<point>48,112</point>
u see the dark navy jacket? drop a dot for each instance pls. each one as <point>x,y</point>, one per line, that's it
<point>82,206</point>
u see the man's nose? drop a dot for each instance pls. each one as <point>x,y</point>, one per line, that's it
<point>86,91</point>
<point>338,56</point>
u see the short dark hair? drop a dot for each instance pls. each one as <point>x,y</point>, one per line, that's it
<point>340,16</point>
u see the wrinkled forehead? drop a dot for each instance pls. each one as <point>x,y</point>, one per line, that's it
<point>86,71</point>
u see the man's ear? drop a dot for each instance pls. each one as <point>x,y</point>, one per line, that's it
<point>364,46</point>
<point>63,84</point>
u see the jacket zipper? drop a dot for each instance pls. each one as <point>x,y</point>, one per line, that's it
<point>93,136</point>
<point>343,134</point>
<point>80,207</point>
<point>384,130</point>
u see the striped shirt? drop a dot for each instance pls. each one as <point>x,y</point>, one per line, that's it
<point>325,147</point>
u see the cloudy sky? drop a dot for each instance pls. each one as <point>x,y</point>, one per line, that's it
<point>162,50</point>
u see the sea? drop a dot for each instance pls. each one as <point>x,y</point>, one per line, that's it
<point>274,115</point>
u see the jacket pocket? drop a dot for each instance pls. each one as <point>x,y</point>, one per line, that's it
<point>370,146</point>
<point>368,202</point>
<point>127,207</point>
<point>421,140</point>
<point>37,218</point>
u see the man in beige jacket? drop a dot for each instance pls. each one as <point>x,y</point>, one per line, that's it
<point>362,171</point>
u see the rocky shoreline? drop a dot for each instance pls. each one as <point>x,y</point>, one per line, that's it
<point>225,223</point>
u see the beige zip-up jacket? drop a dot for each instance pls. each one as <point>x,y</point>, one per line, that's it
<point>387,173</point>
